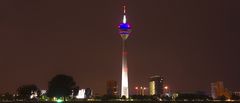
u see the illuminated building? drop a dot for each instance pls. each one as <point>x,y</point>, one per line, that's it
<point>236,93</point>
<point>218,90</point>
<point>156,85</point>
<point>124,30</point>
<point>43,92</point>
<point>112,88</point>
<point>81,94</point>
<point>84,93</point>
<point>34,94</point>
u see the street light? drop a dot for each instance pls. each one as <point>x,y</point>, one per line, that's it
<point>166,90</point>
<point>140,90</point>
<point>136,88</point>
<point>166,87</point>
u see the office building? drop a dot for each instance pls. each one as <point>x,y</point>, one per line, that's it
<point>112,88</point>
<point>156,85</point>
<point>218,90</point>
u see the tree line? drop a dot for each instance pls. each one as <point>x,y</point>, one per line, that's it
<point>60,86</point>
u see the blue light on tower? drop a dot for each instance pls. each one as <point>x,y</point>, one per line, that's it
<point>124,27</point>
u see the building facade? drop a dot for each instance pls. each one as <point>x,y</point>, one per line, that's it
<point>218,90</point>
<point>156,85</point>
<point>112,88</point>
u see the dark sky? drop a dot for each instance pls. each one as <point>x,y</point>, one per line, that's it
<point>190,42</point>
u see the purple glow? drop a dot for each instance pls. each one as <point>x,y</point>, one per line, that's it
<point>124,26</point>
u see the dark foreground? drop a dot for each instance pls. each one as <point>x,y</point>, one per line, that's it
<point>128,102</point>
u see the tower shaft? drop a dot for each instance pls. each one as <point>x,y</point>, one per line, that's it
<point>124,87</point>
<point>124,30</point>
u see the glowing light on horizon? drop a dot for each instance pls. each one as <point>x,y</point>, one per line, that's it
<point>59,100</point>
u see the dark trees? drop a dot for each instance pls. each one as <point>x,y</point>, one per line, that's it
<point>108,97</point>
<point>6,96</point>
<point>193,97</point>
<point>235,97</point>
<point>222,98</point>
<point>62,86</point>
<point>25,91</point>
<point>141,97</point>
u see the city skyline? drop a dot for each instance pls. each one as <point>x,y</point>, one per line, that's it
<point>188,42</point>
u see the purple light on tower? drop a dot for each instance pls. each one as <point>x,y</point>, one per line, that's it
<point>124,30</point>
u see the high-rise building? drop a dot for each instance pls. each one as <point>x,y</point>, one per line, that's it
<point>88,93</point>
<point>124,30</point>
<point>218,90</point>
<point>84,93</point>
<point>156,85</point>
<point>81,94</point>
<point>112,88</point>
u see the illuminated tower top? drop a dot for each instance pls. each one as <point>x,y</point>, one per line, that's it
<point>124,27</point>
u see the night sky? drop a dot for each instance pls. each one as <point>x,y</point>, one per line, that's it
<point>190,42</point>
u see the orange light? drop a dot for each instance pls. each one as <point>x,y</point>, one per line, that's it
<point>166,87</point>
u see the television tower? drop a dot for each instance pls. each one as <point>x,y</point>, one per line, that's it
<point>124,30</point>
